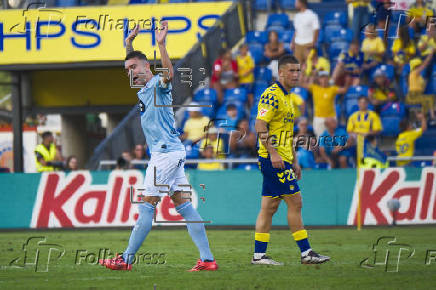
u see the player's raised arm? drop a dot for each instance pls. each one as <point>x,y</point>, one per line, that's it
<point>130,38</point>
<point>165,59</point>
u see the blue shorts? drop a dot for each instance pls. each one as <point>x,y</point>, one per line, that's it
<point>277,182</point>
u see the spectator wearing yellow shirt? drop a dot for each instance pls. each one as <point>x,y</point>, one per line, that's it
<point>380,91</point>
<point>245,71</point>
<point>194,126</point>
<point>405,143</point>
<point>403,48</point>
<point>360,15</point>
<point>211,147</point>
<point>373,47</point>
<point>314,64</point>
<point>417,86</point>
<point>323,96</point>
<point>427,42</point>
<point>420,12</point>
<point>349,66</point>
<point>364,121</point>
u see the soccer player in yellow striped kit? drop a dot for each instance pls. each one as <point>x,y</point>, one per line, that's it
<point>280,170</point>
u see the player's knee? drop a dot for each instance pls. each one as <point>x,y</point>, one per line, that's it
<point>177,198</point>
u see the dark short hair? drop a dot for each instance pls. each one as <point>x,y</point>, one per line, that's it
<point>362,97</point>
<point>136,54</point>
<point>46,134</point>
<point>304,2</point>
<point>287,58</point>
<point>371,137</point>
<point>404,125</point>
<point>231,107</point>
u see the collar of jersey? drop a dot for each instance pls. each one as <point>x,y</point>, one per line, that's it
<point>146,85</point>
<point>282,88</point>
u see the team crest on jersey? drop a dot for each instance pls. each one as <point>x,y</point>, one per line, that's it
<point>263,112</point>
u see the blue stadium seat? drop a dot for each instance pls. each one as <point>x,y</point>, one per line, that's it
<point>287,4</point>
<point>335,50</point>
<point>278,19</point>
<point>67,3</point>
<point>262,5</point>
<point>262,73</point>
<point>391,125</point>
<point>206,95</point>
<point>259,88</point>
<point>279,29</point>
<point>238,94</point>
<point>306,158</point>
<point>388,69</point>
<point>351,97</point>
<point>336,33</point>
<point>393,109</point>
<point>192,150</point>
<point>256,52</point>
<point>287,35</point>
<point>336,18</point>
<point>302,92</point>
<point>222,111</point>
<point>257,37</point>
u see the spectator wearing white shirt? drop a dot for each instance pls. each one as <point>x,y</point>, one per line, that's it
<point>306,25</point>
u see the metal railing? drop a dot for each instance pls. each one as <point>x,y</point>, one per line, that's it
<point>231,161</point>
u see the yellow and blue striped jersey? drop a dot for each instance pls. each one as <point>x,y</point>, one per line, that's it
<point>277,110</point>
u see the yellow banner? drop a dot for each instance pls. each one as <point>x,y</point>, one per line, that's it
<point>97,34</point>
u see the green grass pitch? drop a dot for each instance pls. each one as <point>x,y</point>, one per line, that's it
<point>233,250</point>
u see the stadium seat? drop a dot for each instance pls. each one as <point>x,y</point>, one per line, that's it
<point>67,3</point>
<point>206,95</point>
<point>336,18</point>
<point>259,88</point>
<point>388,69</point>
<point>263,5</point>
<point>287,35</point>
<point>351,97</point>
<point>306,158</point>
<point>393,109</point>
<point>335,50</point>
<point>238,94</point>
<point>302,92</point>
<point>262,73</point>
<point>337,34</point>
<point>222,111</point>
<point>391,125</point>
<point>287,4</point>
<point>256,52</point>
<point>279,29</point>
<point>278,19</point>
<point>257,37</point>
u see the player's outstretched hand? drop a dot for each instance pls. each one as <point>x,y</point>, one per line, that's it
<point>161,33</point>
<point>132,34</point>
<point>277,161</point>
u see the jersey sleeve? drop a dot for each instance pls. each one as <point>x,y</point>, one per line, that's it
<point>268,106</point>
<point>350,124</point>
<point>416,133</point>
<point>163,86</point>
<point>376,123</point>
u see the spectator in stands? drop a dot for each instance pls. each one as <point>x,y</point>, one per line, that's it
<point>405,143</point>
<point>420,13</point>
<point>324,96</point>
<point>139,154</point>
<point>273,50</point>
<point>225,73</point>
<point>243,141</point>
<point>373,157</point>
<point>305,144</point>
<point>211,147</point>
<point>122,164</point>
<point>364,121</point>
<point>349,66</point>
<point>360,16</point>
<point>231,119</point>
<point>381,91</point>
<point>72,163</point>
<point>334,144</point>
<point>245,71</point>
<point>208,153</point>
<point>383,13</point>
<point>427,44</point>
<point>315,64</point>
<point>373,48</point>
<point>48,157</point>
<point>194,126</point>
<point>127,156</point>
<point>403,48</point>
<point>306,25</point>
<point>417,85</point>
<point>299,105</point>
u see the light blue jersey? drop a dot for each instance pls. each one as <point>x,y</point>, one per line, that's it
<point>158,122</point>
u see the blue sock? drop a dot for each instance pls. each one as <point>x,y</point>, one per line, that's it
<point>140,231</point>
<point>196,230</point>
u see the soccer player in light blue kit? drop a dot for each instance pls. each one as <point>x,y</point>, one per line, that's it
<point>167,156</point>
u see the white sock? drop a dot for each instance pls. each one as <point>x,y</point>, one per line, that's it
<point>306,252</point>
<point>257,256</point>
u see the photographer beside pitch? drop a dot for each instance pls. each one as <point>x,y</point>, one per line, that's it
<point>280,170</point>
<point>167,156</point>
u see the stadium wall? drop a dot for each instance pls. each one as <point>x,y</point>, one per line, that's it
<point>102,199</point>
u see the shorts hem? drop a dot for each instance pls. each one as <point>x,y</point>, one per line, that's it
<point>282,195</point>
